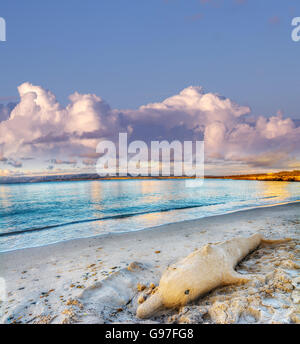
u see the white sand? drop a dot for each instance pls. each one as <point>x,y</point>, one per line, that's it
<point>88,280</point>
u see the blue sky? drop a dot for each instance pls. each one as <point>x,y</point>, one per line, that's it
<point>132,53</point>
<point>135,52</point>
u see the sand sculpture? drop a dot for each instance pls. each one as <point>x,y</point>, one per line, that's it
<point>200,272</point>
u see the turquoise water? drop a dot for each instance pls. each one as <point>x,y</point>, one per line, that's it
<point>44,213</point>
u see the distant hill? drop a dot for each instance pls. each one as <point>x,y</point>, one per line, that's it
<point>289,176</point>
<point>72,177</point>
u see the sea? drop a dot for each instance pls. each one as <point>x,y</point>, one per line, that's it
<point>37,214</point>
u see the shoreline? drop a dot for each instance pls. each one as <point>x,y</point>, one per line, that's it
<point>147,228</point>
<point>282,176</point>
<point>95,280</point>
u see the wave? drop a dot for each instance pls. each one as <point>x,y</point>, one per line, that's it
<point>112,217</point>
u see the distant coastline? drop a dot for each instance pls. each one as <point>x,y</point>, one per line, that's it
<point>283,176</point>
<point>288,176</point>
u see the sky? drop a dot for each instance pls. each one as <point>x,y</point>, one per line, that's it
<point>95,66</point>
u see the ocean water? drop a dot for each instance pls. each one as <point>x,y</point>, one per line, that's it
<point>43,213</point>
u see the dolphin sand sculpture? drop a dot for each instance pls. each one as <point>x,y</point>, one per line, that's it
<point>203,270</point>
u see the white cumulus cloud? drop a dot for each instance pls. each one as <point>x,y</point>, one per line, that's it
<point>40,127</point>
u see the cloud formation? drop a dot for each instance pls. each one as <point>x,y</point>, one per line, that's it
<point>38,126</point>
<point>5,111</point>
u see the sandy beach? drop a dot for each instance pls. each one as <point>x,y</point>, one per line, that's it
<point>101,279</point>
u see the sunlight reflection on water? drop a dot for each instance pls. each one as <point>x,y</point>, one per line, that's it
<point>87,208</point>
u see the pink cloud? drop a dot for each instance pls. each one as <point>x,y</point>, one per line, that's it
<point>42,128</point>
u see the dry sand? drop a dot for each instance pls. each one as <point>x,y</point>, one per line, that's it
<point>102,279</point>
